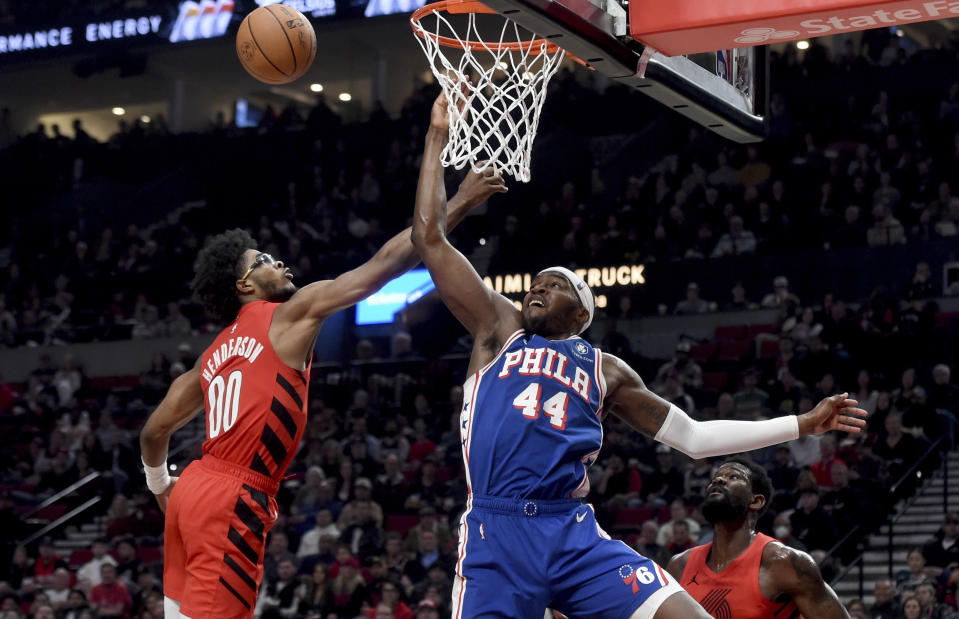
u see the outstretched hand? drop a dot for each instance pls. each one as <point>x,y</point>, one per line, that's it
<point>837,412</point>
<point>441,113</point>
<point>477,187</point>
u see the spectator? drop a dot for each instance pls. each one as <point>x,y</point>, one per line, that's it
<point>780,296</point>
<point>783,531</point>
<point>665,482</point>
<point>59,590</point>
<point>811,524</point>
<point>750,401</point>
<point>647,545</point>
<point>283,594</point>
<point>88,575</point>
<point>852,232</point>
<point>678,514</point>
<point>885,606</point>
<point>689,372</point>
<point>110,598</point>
<point>619,486</point>
<point>735,242</point>
<point>739,302</point>
<point>427,610</point>
<point>822,469</point>
<point>429,554</point>
<point>680,540</point>
<point>317,598</point>
<point>930,607</point>
<point>390,598</point>
<point>692,304</point>
<point>324,525</point>
<point>908,579</point>
<point>348,589</point>
<point>857,608</point>
<point>362,533</point>
<point>886,229</point>
<point>391,488</point>
<point>363,492</point>
<point>47,562</point>
<point>943,549</point>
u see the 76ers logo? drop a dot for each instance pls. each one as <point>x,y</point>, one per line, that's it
<point>633,577</point>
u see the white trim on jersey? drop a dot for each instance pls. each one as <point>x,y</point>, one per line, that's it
<point>459,581</point>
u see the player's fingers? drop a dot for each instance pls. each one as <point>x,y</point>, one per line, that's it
<point>853,412</point>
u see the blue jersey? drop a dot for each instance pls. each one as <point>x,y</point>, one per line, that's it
<point>531,423</point>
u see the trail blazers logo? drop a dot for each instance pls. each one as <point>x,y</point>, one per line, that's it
<point>716,605</point>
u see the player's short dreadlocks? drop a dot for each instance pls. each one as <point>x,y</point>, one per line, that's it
<point>217,268</point>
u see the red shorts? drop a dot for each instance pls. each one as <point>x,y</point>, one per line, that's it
<point>215,534</point>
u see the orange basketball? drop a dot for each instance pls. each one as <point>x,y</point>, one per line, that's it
<point>276,44</point>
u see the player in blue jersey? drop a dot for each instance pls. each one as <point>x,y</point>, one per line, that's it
<point>531,427</point>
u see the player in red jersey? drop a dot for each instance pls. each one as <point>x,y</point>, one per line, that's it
<point>252,382</point>
<point>743,573</point>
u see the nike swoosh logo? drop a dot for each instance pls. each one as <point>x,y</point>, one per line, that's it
<point>580,517</point>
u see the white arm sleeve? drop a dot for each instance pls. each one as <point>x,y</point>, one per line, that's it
<point>704,439</point>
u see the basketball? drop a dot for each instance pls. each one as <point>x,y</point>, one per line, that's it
<point>276,44</point>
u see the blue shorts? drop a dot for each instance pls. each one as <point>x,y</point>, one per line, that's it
<point>518,557</point>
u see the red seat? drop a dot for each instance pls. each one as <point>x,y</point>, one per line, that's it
<point>730,332</point>
<point>150,554</point>
<point>632,516</point>
<point>715,381</point>
<point>79,557</point>
<point>443,474</point>
<point>401,523</point>
<point>944,319</point>
<point>769,349</point>
<point>703,352</point>
<point>51,512</point>
<point>664,514</point>
<point>732,350</point>
<point>753,330</point>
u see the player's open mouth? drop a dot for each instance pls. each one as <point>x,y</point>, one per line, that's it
<point>536,303</point>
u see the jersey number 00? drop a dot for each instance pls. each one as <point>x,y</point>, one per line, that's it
<point>223,398</point>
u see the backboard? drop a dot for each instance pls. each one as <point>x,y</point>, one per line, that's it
<point>725,91</point>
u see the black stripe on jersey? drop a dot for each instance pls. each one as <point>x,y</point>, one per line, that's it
<point>302,377</point>
<point>235,593</point>
<point>249,518</point>
<point>258,495</point>
<point>230,561</point>
<point>284,416</point>
<point>273,445</point>
<point>287,387</point>
<point>242,545</point>
<point>259,465</point>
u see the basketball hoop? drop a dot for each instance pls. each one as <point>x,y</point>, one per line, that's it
<point>508,72</point>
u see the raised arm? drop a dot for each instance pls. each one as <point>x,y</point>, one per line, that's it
<point>631,401</point>
<point>796,574</point>
<point>319,300</point>
<point>487,315</point>
<point>183,400</point>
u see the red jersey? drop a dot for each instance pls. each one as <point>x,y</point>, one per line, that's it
<point>255,404</point>
<point>734,592</point>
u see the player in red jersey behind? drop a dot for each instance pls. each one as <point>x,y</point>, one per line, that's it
<point>743,573</point>
<point>252,382</point>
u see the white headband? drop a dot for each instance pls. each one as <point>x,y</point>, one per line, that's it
<point>582,291</point>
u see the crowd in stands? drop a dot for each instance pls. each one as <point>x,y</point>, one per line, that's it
<point>367,523</point>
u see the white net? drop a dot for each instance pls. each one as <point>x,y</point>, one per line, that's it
<point>505,95</point>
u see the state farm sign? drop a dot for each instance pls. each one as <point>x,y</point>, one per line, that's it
<point>691,26</point>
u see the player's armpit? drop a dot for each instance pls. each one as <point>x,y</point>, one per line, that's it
<point>796,574</point>
<point>183,400</point>
<point>630,400</point>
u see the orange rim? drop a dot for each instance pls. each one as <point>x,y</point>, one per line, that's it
<point>457,7</point>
